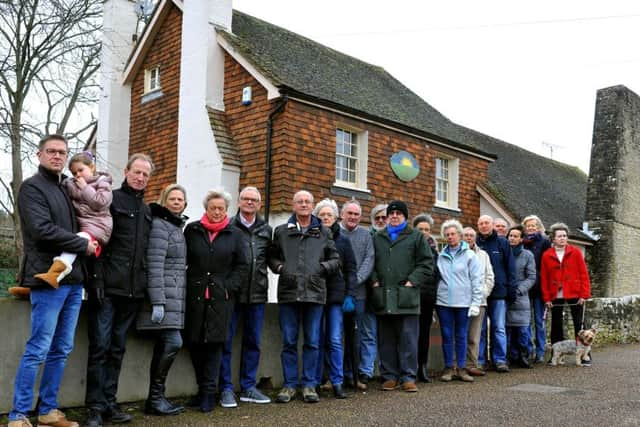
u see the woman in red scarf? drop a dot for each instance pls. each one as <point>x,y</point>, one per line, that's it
<point>216,263</point>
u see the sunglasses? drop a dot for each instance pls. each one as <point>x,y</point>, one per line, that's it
<point>380,218</point>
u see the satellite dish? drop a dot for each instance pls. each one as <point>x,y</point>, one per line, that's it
<point>143,9</point>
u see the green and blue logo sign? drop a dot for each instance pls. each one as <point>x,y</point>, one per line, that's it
<point>405,166</point>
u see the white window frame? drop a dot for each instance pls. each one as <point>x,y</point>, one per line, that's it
<point>361,157</point>
<point>152,79</point>
<point>451,181</point>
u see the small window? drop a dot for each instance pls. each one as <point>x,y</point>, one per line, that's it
<point>151,79</point>
<point>346,156</point>
<point>447,183</point>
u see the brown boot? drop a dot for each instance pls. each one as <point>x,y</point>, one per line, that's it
<point>20,292</point>
<point>463,375</point>
<point>56,272</point>
<point>55,418</point>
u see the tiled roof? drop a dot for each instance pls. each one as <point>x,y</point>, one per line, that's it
<point>224,141</point>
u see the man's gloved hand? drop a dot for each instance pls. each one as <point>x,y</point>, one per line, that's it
<point>348,306</point>
<point>474,310</point>
<point>512,295</point>
<point>97,295</point>
<point>157,314</point>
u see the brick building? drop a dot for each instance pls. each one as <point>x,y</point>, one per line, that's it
<point>223,99</point>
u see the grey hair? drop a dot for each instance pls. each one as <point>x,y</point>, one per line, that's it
<point>464,230</point>
<point>141,156</point>
<point>451,223</point>
<point>217,194</point>
<point>558,226</point>
<point>326,203</point>
<point>535,218</point>
<point>351,202</point>
<point>376,209</point>
<point>302,192</point>
<point>423,217</point>
<point>250,188</point>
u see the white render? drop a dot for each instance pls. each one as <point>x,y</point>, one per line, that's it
<point>274,221</point>
<point>199,166</point>
<point>119,25</point>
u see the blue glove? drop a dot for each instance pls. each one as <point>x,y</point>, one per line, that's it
<point>348,306</point>
<point>157,314</point>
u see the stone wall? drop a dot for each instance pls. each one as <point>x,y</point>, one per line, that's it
<point>613,195</point>
<point>617,320</point>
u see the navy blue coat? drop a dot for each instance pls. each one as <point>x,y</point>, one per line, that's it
<point>537,243</point>
<point>502,261</point>
<point>344,281</point>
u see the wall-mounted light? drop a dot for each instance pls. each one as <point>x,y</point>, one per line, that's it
<point>246,96</point>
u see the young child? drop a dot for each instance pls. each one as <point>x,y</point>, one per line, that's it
<point>90,193</point>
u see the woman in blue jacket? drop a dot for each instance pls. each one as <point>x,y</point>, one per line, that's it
<point>459,297</point>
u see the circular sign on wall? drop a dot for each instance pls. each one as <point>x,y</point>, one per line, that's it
<point>405,166</point>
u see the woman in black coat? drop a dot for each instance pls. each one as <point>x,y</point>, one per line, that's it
<point>163,309</point>
<point>216,264</point>
<point>340,296</point>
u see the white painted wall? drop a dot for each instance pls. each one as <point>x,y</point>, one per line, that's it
<point>199,162</point>
<point>231,184</point>
<point>119,24</point>
<point>275,220</point>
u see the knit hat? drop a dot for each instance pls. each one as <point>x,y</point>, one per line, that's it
<point>398,205</point>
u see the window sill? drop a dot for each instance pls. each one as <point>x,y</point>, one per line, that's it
<point>447,210</point>
<point>150,96</point>
<point>344,190</point>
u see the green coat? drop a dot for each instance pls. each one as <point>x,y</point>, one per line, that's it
<point>408,258</point>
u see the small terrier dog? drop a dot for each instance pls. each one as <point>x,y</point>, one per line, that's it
<point>581,347</point>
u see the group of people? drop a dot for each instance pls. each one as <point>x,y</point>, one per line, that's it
<point>359,294</point>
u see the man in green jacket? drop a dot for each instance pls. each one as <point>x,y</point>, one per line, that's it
<point>403,264</point>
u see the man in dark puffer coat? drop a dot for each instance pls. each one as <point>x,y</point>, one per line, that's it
<point>304,254</point>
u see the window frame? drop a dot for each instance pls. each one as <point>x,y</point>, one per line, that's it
<point>451,180</point>
<point>149,79</point>
<point>361,159</point>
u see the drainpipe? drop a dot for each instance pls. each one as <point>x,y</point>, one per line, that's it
<point>267,179</point>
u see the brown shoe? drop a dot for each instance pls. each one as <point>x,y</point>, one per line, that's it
<point>328,387</point>
<point>20,292</point>
<point>390,385</point>
<point>463,375</point>
<point>476,372</point>
<point>21,422</point>
<point>57,271</point>
<point>447,375</point>
<point>55,418</point>
<point>409,387</point>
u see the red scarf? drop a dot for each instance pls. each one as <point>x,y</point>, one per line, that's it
<point>213,227</point>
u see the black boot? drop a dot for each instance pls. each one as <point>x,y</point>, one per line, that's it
<point>523,361</point>
<point>338,391</point>
<point>156,403</point>
<point>207,402</point>
<point>423,374</point>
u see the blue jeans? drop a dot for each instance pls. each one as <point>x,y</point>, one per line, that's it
<point>291,315</point>
<point>54,316</point>
<point>497,310</point>
<point>331,352</point>
<point>454,323</point>
<point>541,329</point>
<point>367,336</point>
<point>482,347</point>
<point>518,338</point>
<point>252,320</point>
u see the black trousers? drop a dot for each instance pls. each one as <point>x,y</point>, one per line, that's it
<point>557,330</point>
<point>427,305</point>
<point>109,325</point>
<point>206,359</point>
<point>398,347</point>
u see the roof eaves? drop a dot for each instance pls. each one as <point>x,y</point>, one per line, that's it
<point>432,138</point>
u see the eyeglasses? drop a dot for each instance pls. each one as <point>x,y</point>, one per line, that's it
<point>380,218</point>
<point>52,152</point>
<point>249,199</point>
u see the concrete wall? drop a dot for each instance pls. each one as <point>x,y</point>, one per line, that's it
<point>134,378</point>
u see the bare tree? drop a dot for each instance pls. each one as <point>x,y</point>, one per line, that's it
<point>49,55</point>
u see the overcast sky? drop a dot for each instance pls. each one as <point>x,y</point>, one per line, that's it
<point>524,72</point>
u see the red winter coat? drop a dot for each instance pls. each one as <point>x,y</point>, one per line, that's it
<point>571,274</point>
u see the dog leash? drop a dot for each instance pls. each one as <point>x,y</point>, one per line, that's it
<point>584,309</point>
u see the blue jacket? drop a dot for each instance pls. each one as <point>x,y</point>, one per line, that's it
<point>537,243</point>
<point>461,278</point>
<point>502,261</point>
